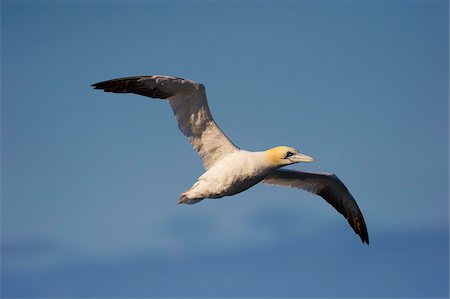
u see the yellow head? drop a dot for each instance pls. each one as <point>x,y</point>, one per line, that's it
<point>284,155</point>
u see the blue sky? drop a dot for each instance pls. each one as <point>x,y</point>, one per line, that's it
<point>90,180</point>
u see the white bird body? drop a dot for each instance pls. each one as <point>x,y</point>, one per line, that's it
<point>229,169</point>
<point>233,174</point>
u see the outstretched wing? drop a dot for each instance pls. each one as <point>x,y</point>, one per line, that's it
<point>327,186</point>
<point>190,106</point>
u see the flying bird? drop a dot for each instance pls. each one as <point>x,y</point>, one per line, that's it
<point>230,169</point>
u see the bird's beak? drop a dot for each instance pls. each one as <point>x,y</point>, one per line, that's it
<point>301,158</point>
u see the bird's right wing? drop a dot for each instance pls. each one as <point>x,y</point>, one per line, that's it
<point>190,106</point>
<point>329,187</point>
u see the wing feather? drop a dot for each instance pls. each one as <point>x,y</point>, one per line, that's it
<point>190,107</point>
<point>329,187</point>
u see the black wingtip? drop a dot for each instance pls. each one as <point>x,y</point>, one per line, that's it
<point>116,85</point>
<point>97,85</point>
<point>107,85</point>
<point>364,237</point>
<point>148,86</point>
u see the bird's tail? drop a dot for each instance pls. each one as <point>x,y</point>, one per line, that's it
<point>186,200</point>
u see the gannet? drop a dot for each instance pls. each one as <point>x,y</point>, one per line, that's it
<point>230,169</point>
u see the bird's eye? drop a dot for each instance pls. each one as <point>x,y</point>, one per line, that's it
<point>288,154</point>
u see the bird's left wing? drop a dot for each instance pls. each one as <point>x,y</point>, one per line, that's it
<point>190,107</point>
<point>329,187</point>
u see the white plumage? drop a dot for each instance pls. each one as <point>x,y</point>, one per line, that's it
<point>229,169</point>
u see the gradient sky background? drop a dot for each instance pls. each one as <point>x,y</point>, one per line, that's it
<point>90,180</point>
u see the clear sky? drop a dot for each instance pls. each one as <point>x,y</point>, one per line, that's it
<point>90,180</point>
